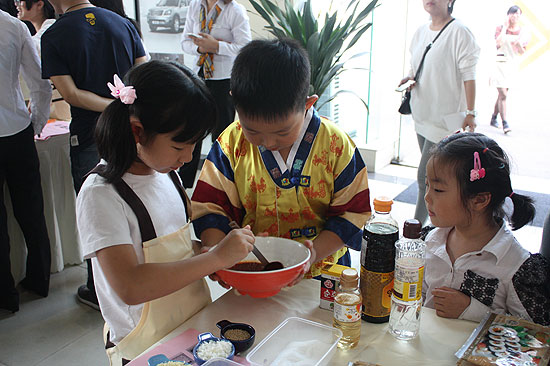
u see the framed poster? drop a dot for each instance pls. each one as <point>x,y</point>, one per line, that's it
<point>162,23</point>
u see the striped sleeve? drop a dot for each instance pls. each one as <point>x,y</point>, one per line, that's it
<point>350,205</point>
<point>215,198</point>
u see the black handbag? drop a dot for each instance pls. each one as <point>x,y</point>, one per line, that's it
<point>405,107</point>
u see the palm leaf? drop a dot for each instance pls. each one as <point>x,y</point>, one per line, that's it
<point>325,45</point>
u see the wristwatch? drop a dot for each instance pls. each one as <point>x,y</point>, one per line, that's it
<point>471,112</point>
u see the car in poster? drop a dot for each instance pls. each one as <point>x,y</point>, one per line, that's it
<point>168,14</point>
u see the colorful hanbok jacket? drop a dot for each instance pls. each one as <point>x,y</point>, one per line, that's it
<point>325,189</point>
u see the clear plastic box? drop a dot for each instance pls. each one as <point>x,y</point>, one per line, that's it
<point>220,362</point>
<point>296,341</point>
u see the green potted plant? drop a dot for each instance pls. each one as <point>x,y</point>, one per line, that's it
<point>326,43</point>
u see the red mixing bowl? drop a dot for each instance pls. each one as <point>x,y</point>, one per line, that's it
<point>292,254</point>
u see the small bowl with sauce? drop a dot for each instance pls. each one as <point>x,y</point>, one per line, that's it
<point>240,334</point>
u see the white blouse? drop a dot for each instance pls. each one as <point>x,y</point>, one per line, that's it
<point>232,29</point>
<point>486,274</point>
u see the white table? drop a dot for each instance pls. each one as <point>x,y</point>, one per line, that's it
<point>436,344</point>
<point>59,209</point>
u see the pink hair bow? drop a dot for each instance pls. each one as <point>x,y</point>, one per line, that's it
<point>478,172</point>
<point>126,94</point>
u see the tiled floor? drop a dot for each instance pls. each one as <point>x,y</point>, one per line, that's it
<point>58,331</point>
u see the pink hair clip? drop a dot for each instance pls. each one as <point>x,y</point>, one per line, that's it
<point>126,94</point>
<point>478,172</point>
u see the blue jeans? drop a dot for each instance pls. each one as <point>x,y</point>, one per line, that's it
<point>82,162</point>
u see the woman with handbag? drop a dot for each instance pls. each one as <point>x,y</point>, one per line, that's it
<point>444,55</point>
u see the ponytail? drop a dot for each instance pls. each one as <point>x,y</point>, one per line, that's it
<point>115,140</point>
<point>524,210</point>
<point>459,150</point>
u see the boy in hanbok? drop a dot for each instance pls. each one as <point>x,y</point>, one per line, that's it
<point>282,169</point>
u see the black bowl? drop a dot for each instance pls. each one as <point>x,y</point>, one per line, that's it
<point>240,346</point>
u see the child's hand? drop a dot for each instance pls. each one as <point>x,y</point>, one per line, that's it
<point>235,246</point>
<point>309,245</point>
<point>450,303</point>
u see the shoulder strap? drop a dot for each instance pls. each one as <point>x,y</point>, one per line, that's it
<point>186,202</point>
<point>428,47</point>
<point>145,223</point>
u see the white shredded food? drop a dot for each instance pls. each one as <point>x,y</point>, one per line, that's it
<point>208,350</point>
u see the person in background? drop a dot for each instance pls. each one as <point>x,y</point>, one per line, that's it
<point>117,6</point>
<point>446,85</point>
<point>139,256</point>
<point>511,43</point>
<point>81,52</point>
<point>282,169</point>
<point>19,164</point>
<point>42,15</point>
<point>223,29</point>
<point>473,262</point>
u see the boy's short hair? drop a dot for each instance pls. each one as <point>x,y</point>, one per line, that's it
<point>270,79</point>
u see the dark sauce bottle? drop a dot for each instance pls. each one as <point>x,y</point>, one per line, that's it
<point>378,262</point>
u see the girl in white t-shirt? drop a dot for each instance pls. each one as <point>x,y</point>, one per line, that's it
<point>133,214</point>
<point>473,262</point>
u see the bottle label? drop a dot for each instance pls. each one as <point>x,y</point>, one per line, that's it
<point>347,313</point>
<point>376,289</point>
<point>407,285</point>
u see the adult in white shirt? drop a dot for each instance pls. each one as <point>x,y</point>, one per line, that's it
<point>19,165</point>
<point>446,86</point>
<point>223,28</point>
<point>42,15</point>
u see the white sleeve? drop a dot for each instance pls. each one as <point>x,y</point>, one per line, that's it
<point>475,311</point>
<point>240,29</point>
<point>467,54</point>
<point>101,219</point>
<point>187,44</point>
<point>40,89</point>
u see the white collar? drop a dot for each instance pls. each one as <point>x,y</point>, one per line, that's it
<point>284,166</point>
<point>497,246</point>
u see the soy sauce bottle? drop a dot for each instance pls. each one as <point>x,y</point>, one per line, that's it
<point>378,262</point>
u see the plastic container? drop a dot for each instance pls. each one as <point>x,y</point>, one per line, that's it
<point>305,340</point>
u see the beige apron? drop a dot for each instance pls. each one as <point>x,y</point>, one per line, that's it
<point>159,317</point>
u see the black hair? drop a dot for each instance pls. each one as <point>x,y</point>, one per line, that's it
<point>170,98</point>
<point>270,79</point>
<point>451,7</point>
<point>457,150</point>
<point>116,6</point>
<point>514,9</point>
<point>47,9</point>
